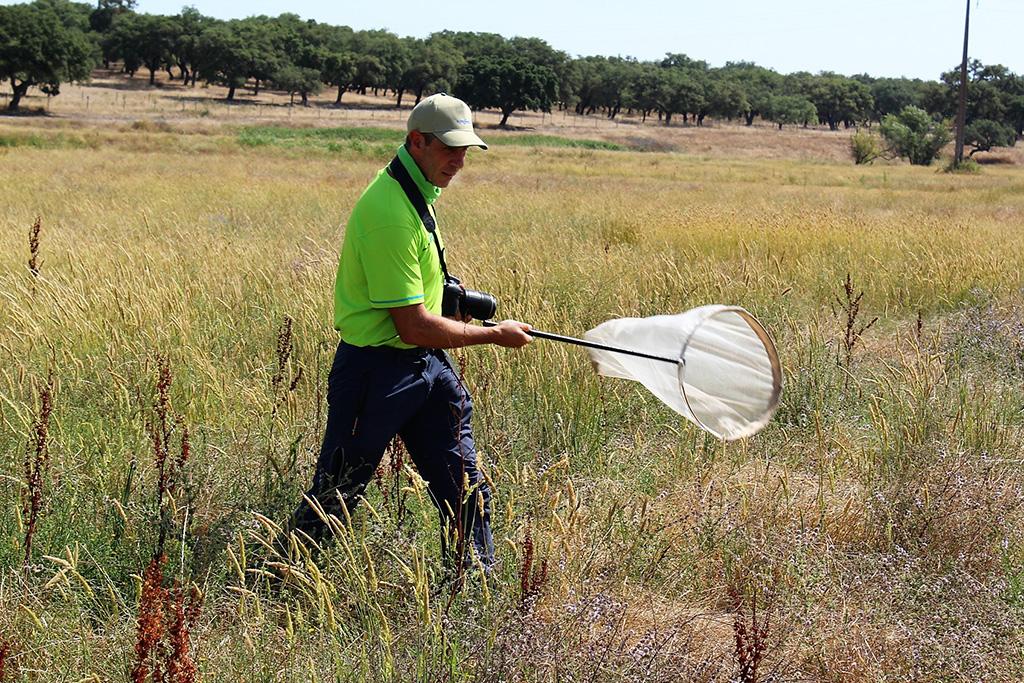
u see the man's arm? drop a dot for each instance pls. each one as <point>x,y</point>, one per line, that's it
<point>417,326</point>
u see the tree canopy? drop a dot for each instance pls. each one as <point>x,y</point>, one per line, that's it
<point>52,41</point>
<point>44,44</point>
<point>790,109</point>
<point>507,82</point>
<point>984,134</point>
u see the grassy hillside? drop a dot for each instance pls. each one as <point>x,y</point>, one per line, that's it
<point>871,533</point>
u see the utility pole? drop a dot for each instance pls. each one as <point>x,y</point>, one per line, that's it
<point>961,111</point>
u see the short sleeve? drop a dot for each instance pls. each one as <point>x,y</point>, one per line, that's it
<point>391,263</point>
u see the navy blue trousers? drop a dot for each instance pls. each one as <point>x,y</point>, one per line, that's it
<point>374,393</point>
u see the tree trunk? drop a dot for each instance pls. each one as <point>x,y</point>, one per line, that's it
<point>18,91</point>
<point>152,74</point>
<point>305,99</point>
<point>341,91</point>
<point>419,95</point>
<point>231,93</point>
<point>398,104</point>
<point>170,74</point>
<point>668,118</point>
<point>256,90</point>
<point>749,116</point>
<point>504,116</point>
<point>700,119</point>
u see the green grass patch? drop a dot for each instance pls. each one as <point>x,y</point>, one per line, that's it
<point>326,138</point>
<point>368,140</point>
<point>376,143</point>
<point>36,141</point>
<point>557,141</point>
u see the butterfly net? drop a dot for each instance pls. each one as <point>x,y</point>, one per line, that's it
<point>728,379</point>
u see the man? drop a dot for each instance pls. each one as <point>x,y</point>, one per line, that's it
<point>390,375</point>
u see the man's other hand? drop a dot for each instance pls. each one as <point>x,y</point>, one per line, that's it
<point>512,334</point>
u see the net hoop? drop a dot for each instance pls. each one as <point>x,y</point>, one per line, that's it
<point>758,329</point>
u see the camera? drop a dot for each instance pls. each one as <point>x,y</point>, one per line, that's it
<point>457,301</point>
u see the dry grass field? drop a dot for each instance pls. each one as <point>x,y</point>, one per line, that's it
<point>171,336</point>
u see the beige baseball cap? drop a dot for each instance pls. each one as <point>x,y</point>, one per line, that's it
<point>446,117</point>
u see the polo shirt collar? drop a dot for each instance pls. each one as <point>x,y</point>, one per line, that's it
<point>429,191</point>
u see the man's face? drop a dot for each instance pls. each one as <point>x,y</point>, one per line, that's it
<point>438,161</point>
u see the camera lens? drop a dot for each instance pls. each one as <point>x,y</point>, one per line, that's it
<point>480,305</point>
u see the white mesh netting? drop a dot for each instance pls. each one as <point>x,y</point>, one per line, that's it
<point>730,379</point>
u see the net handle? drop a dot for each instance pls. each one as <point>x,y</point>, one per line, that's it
<point>593,345</point>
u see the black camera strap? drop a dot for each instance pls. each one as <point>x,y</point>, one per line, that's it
<point>397,171</point>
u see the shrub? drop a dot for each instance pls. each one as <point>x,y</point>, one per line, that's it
<point>147,126</point>
<point>968,165</point>
<point>864,147</point>
<point>913,134</point>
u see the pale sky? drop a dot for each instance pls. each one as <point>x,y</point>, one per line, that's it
<point>913,38</point>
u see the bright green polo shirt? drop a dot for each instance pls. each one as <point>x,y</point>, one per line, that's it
<point>388,259</point>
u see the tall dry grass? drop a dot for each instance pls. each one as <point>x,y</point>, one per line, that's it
<point>870,533</point>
